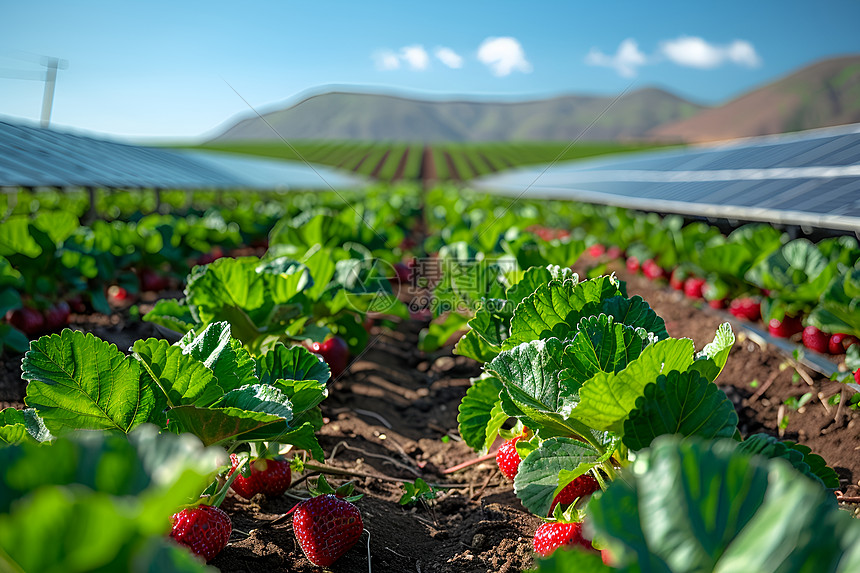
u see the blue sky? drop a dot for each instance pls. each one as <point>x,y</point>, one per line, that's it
<point>157,69</point>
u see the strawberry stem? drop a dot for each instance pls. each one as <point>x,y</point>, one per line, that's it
<point>472,462</point>
<point>340,472</point>
<point>216,499</point>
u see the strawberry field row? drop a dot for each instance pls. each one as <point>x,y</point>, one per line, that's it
<point>616,432</point>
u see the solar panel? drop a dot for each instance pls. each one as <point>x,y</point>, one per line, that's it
<point>810,178</point>
<point>36,157</point>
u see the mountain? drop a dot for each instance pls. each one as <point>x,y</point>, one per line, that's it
<point>823,94</point>
<point>342,115</point>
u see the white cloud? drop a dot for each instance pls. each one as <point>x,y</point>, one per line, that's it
<point>386,60</point>
<point>415,56</point>
<point>695,52</point>
<point>449,57</point>
<point>503,56</point>
<point>625,61</point>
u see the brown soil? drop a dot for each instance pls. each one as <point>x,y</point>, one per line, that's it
<point>380,164</point>
<point>453,174</point>
<point>428,172</point>
<point>401,166</point>
<point>388,416</point>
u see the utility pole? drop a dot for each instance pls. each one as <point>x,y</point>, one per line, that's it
<point>49,76</point>
<point>48,97</point>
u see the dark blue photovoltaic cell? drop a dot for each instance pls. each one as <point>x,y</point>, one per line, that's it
<point>728,178</point>
<point>36,157</point>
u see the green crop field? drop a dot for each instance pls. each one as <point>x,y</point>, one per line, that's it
<point>390,161</point>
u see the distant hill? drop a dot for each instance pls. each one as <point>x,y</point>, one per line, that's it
<point>823,94</point>
<point>364,116</point>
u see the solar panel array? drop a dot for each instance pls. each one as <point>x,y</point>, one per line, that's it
<point>810,178</point>
<point>36,157</point>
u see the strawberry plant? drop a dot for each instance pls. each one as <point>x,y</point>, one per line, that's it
<point>661,506</point>
<point>106,501</point>
<point>207,385</point>
<point>796,275</point>
<point>267,301</point>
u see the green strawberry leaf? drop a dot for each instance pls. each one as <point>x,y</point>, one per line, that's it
<point>607,398</point>
<point>680,403</point>
<point>634,312</point>
<point>480,413</point>
<point>107,463</point>
<point>536,277</point>
<point>237,414</point>
<point>691,505</point>
<point>18,426</point>
<point>292,363</point>
<point>800,457</point>
<point>488,330</point>
<point>78,381</point>
<point>171,313</point>
<point>538,477</point>
<point>600,345</point>
<point>711,360</point>
<point>223,355</point>
<point>553,309</point>
<point>181,378</point>
<point>565,560</point>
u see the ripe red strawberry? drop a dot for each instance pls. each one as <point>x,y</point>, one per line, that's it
<point>268,476</point>
<point>508,459</point>
<point>334,351</point>
<point>28,320</point>
<point>326,527</point>
<point>632,264</point>
<point>552,535</point>
<point>652,270</point>
<point>784,328</point>
<point>57,316</point>
<point>840,342</point>
<point>614,252</point>
<point>816,340</point>
<point>677,278</point>
<point>580,487</point>
<point>857,375</point>
<point>152,281</point>
<point>746,308</point>
<point>606,557</point>
<point>204,529</point>
<point>596,250</point>
<point>210,257</point>
<point>117,294</point>
<point>693,287</point>
<point>718,304</point>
